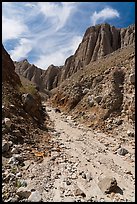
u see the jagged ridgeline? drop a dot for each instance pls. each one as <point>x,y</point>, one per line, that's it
<point>98,41</point>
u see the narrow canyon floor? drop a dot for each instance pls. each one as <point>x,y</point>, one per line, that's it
<point>79,159</point>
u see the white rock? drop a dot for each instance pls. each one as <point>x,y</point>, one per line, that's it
<point>69,117</point>
<point>7,122</point>
<point>132,78</point>
<point>19,174</point>
<point>85,91</point>
<point>35,197</point>
<point>88,176</point>
<point>12,160</point>
<point>10,143</point>
<point>18,157</point>
<point>14,151</point>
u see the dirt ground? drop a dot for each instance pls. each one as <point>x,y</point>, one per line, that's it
<point>79,158</point>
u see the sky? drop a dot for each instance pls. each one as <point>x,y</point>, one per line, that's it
<point>47,33</point>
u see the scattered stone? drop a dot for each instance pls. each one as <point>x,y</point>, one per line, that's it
<point>68,182</point>
<point>19,174</point>
<point>14,199</point>
<point>18,157</point>
<point>83,175</point>
<point>79,192</point>
<point>107,184</point>
<point>118,121</point>
<point>13,160</point>
<point>130,133</point>
<point>69,117</point>
<point>98,99</point>
<point>35,197</point>
<point>88,176</point>
<point>5,146</point>
<point>91,103</point>
<point>85,91</point>
<point>132,78</point>
<point>7,122</point>
<point>10,177</point>
<point>74,176</point>
<point>23,192</point>
<point>15,150</point>
<point>122,151</point>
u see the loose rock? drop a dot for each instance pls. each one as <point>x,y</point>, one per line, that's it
<point>122,151</point>
<point>23,192</point>
<point>107,184</point>
<point>35,197</point>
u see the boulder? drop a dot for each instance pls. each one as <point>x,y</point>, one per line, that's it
<point>23,192</point>
<point>122,151</point>
<point>32,106</point>
<point>35,197</point>
<point>107,184</point>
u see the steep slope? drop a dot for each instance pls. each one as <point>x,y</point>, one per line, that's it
<point>24,124</point>
<point>98,41</point>
<point>102,95</point>
<point>8,70</point>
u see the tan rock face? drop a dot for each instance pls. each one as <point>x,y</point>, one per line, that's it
<point>29,71</point>
<point>44,79</point>
<point>98,41</point>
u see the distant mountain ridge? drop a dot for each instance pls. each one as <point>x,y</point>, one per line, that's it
<point>98,41</point>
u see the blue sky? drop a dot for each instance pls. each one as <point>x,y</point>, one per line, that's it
<point>48,32</point>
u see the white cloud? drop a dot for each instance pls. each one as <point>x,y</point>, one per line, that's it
<point>56,58</point>
<point>106,13</point>
<point>12,28</point>
<point>45,29</point>
<point>21,50</point>
<point>58,54</point>
<point>57,13</point>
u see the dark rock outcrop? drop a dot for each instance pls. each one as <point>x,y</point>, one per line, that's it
<point>8,70</point>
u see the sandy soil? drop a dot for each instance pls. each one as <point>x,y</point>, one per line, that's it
<point>80,157</point>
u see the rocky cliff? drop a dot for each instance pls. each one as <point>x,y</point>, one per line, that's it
<point>43,79</point>
<point>21,104</point>
<point>8,70</point>
<point>29,71</point>
<point>98,41</point>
